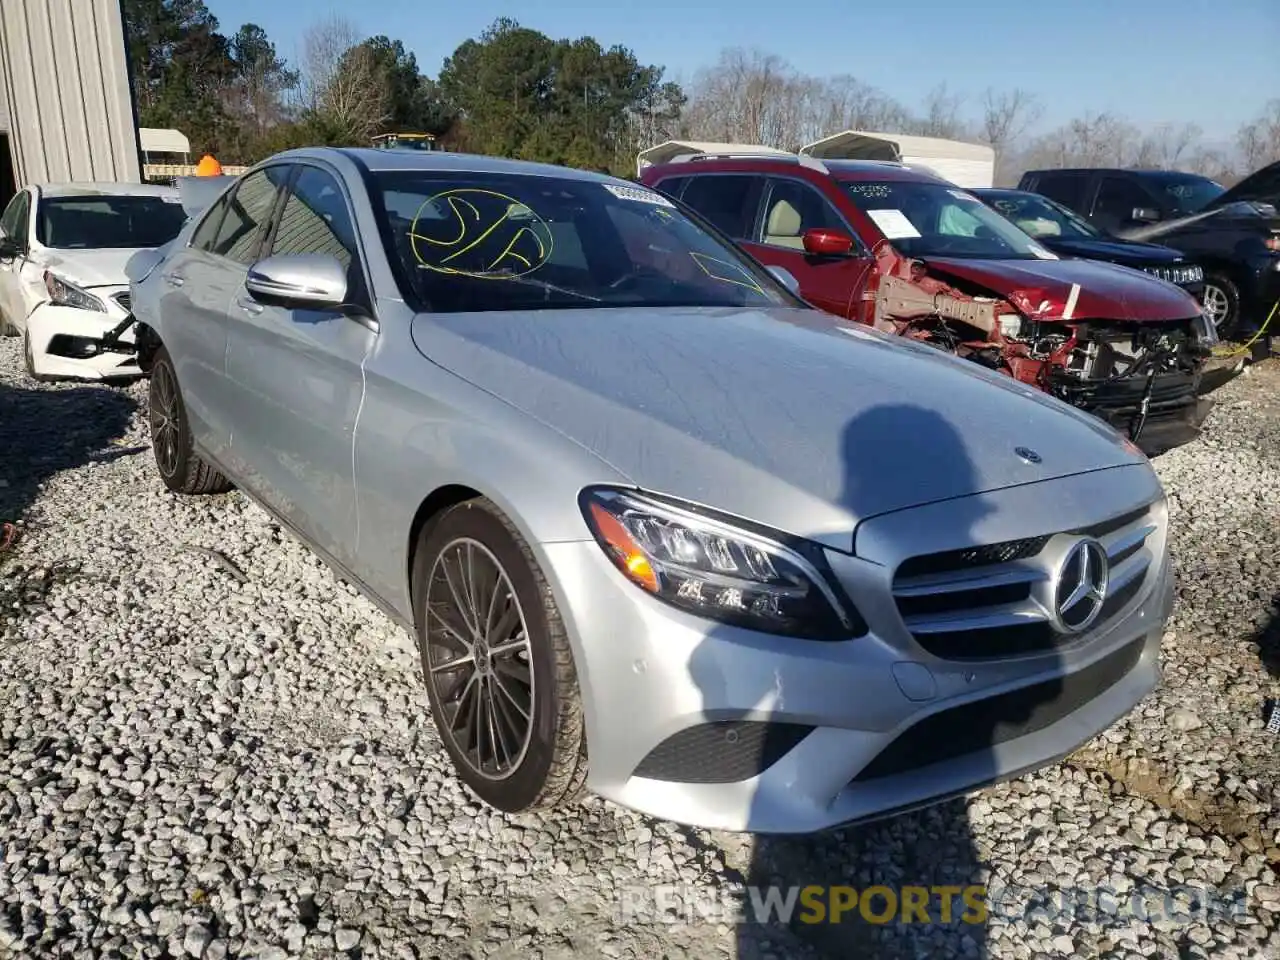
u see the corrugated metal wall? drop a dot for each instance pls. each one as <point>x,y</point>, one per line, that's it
<point>66,86</point>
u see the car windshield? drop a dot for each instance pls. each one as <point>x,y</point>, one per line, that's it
<point>1041,217</point>
<point>940,220</point>
<point>97,221</point>
<point>1188,194</point>
<point>481,242</point>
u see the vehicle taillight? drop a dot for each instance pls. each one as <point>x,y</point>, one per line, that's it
<point>1273,242</point>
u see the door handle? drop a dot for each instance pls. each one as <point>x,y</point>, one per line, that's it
<point>174,279</point>
<point>251,307</point>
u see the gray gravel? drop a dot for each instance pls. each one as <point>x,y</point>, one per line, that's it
<point>195,763</point>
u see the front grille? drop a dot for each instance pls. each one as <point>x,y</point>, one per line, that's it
<point>994,601</point>
<point>723,751</point>
<point>980,725</point>
<point>124,300</point>
<point>1181,274</point>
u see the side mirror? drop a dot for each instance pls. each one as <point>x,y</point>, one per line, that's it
<point>786,278</point>
<point>299,280</point>
<point>1144,215</point>
<point>827,243</point>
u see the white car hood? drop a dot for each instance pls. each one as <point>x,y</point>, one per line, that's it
<point>90,268</point>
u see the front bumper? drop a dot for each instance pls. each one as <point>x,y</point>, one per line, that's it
<point>66,342</point>
<point>725,728</point>
<point>1175,414</point>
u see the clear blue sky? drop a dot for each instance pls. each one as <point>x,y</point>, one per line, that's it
<point>1212,62</point>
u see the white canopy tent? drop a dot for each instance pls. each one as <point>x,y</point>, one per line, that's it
<point>153,140</point>
<point>964,164</point>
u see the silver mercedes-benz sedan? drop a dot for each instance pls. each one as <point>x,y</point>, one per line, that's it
<point>662,531</point>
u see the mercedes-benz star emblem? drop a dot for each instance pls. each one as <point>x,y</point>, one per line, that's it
<point>1081,588</point>
<point>1027,455</point>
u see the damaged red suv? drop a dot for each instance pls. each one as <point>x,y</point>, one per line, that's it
<point>901,249</point>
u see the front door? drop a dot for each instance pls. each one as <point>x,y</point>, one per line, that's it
<point>15,223</point>
<point>831,283</point>
<point>298,375</point>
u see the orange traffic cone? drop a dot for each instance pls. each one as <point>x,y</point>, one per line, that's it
<point>208,167</point>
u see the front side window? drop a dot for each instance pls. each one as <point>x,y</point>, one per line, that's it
<point>485,242</point>
<point>14,220</point>
<point>793,208</point>
<point>939,220</point>
<point>1118,197</point>
<point>247,215</point>
<point>1042,218</point>
<point>102,221</point>
<point>315,219</point>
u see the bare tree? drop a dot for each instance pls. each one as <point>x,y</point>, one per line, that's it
<point>1259,141</point>
<point>942,115</point>
<point>1167,146</point>
<point>1007,116</point>
<point>343,81</point>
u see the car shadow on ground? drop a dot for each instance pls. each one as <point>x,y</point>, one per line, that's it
<point>46,431</point>
<point>1268,639</point>
<point>931,850</point>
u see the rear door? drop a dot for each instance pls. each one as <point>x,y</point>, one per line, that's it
<point>790,207</point>
<point>298,374</point>
<point>201,282</point>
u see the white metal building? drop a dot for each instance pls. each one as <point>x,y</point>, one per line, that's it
<point>66,110</point>
<point>964,164</point>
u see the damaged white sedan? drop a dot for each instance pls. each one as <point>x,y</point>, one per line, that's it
<point>63,288</point>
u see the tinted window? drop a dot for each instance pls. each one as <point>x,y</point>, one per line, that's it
<point>315,219</point>
<point>1067,188</point>
<point>14,221</point>
<point>934,219</point>
<point>672,186</point>
<point>1117,199</point>
<point>247,214</point>
<point>726,201</point>
<point>207,232</point>
<point>1040,216</point>
<point>1181,194</point>
<point>482,242</point>
<point>105,222</point>
<point>794,207</point>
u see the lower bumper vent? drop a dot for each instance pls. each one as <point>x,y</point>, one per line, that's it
<point>724,751</point>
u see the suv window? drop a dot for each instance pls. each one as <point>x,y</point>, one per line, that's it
<point>1067,188</point>
<point>672,186</point>
<point>15,217</point>
<point>1117,198</point>
<point>792,208</point>
<point>725,200</point>
<point>247,214</point>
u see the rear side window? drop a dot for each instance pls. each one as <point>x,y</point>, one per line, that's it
<point>725,200</point>
<point>1067,188</point>
<point>207,232</point>
<point>247,216</point>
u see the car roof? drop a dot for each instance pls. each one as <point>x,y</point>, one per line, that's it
<point>1155,174</point>
<point>379,161</point>
<point>99,189</point>
<point>842,170</point>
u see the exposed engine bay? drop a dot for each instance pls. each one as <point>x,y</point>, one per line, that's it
<point>1143,378</point>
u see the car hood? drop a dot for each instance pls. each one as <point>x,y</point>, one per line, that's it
<point>90,268</point>
<point>1116,251</point>
<point>1258,186</point>
<point>1107,291</point>
<point>783,416</point>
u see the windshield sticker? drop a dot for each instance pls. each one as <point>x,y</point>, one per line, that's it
<point>893,224</point>
<point>725,272</point>
<point>638,194</point>
<point>871,191</point>
<point>479,233</point>
<point>1042,252</point>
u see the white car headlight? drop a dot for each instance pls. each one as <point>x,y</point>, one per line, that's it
<point>64,293</point>
<point>713,567</point>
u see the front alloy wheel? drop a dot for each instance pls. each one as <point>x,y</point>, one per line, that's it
<point>1221,303</point>
<point>479,659</point>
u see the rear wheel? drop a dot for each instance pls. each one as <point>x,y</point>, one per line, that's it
<point>181,468</point>
<point>497,662</point>
<point>1221,299</point>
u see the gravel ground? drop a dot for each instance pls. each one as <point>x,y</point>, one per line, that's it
<point>232,759</point>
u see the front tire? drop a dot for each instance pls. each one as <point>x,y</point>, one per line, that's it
<point>180,467</point>
<point>1221,299</point>
<point>497,663</point>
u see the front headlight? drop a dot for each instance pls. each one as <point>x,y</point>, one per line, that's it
<point>712,567</point>
<point>64,293</point>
